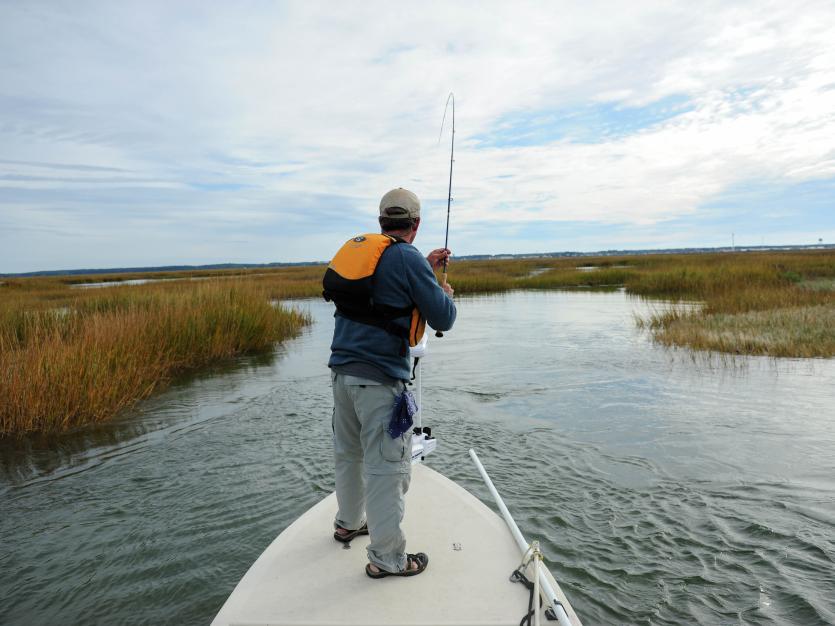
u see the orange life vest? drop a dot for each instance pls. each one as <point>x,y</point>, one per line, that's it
<point>349,283</point>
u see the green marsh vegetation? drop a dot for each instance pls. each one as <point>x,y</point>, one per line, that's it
<point>770,304</point>
<point>69,357</point>
<point>72,356</point>
<point>779,304</point>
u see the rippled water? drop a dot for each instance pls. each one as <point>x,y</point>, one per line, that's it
<point>665,490</point>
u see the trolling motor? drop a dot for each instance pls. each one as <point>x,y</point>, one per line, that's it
<point>422,444</point>
<point>422,440</point>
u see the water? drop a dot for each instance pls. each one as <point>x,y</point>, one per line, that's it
<point>145,281</point>
<point>665,490</point>
<point>121,283</point>
<point>133,281</point>
<point>595,268</point>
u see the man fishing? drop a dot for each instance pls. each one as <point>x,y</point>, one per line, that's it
<point>385,292</point>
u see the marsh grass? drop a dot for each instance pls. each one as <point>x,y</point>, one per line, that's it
<point>95,354</point>
<point>493,276</point>
<point>71,356</point>
<point>807,331</point>
<point>819,284</point>
<point>775,304</point>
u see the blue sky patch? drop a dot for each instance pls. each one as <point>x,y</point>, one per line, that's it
<point>591,123</point>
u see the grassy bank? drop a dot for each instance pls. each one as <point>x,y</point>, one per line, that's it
<point>765,303</point>
<point>71,357</point>
<point>805,331</point>
<point>777,304</point>
<point>757,304</point>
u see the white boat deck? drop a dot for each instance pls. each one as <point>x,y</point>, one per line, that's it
<point>305,578</point>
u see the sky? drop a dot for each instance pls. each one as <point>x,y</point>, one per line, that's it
<point>158,133</point>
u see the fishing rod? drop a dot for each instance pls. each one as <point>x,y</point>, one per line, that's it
<point>451,97</point>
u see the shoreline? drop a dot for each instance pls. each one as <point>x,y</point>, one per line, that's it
<point>70,356</point>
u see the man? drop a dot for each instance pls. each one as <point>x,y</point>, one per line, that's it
<point>369,370</point>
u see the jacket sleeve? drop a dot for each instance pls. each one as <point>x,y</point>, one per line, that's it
<point>436,307</point>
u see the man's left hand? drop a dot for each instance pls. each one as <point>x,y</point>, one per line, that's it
<point>437,257</point>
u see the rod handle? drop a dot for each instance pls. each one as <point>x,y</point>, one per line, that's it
<point>438,333</point>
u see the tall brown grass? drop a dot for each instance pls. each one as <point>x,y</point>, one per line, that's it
<point>777,304</point>
<point>95,354</point>
<point>70,356</point>
<point>492,276</point>
<point>807,331</point>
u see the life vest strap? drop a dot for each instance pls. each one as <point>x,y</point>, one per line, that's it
<point>387,325</point>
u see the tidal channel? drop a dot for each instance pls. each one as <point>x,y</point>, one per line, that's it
<point>665,489</point>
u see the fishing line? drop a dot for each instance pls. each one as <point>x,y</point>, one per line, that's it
<point>451,98</point>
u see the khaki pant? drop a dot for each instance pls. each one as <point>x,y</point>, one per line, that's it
<point>372,469</point>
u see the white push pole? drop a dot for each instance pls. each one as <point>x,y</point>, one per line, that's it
<point>537,564</point>
<point>547,590</point>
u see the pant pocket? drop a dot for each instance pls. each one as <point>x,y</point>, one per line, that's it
<point>393,450</point>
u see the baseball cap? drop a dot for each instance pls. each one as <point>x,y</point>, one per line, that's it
<point>400,204</point>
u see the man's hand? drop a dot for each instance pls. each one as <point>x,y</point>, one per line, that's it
<point>437,257</point>
<point>448,289</point>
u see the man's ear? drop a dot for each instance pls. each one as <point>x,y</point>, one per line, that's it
<point>417,223</point>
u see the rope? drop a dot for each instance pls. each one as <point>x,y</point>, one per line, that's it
<point>518,576</point>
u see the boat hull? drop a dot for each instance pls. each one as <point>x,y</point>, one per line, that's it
<point>306,578</point>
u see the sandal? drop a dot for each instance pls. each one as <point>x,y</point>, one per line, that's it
<point>421,559</point>
<point>346,538</point>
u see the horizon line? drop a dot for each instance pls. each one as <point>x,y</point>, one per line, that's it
<point>475,257</point>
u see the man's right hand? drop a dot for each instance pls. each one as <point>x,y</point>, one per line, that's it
<point>448,289</point>
<point>437,257</point>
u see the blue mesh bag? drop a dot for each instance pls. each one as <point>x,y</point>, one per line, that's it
<point>402,415</point>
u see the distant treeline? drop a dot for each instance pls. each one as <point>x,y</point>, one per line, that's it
<point>162,268</point>
<point>468,257</point>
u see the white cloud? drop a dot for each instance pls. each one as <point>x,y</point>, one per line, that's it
<point>300,101</point>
